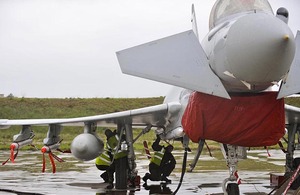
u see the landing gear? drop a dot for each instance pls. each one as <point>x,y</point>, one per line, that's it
<point>292,163</point>
<point>125,167</point>
<point>121,173</point>
<point>295,185</point>
<point>230,185</point>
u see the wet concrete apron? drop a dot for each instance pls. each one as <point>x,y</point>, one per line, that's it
<point>22,177</point>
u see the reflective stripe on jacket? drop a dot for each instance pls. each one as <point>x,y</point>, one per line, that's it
<point>157,156</point>
<point>103,159</point>
<point>120,154</point>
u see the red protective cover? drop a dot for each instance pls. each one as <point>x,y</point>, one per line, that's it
<point>250,121</point>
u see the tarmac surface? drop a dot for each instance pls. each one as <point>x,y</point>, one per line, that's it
<point>75,177</point>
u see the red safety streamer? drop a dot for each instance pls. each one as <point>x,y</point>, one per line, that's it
<point>12,149</point>
<point>44,163</point>
<point>5,162</point>
<point>12,156</point>
<point>64,151</point>
<point>57,158</point>
<point>52,156</point>
<point>52,162</point>
<point>269,155</point>
<point>14,146</point>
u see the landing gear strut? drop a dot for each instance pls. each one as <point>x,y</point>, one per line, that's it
<point>121,173</point>
<point>292,163</point>
<point>230,185</point>
<point>125,166</point>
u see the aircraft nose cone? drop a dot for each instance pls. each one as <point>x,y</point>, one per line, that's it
<point>259,48</point>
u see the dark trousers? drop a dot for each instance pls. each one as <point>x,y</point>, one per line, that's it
<point>167,169</point>
<point>109,172</point>
<point>157,173</point>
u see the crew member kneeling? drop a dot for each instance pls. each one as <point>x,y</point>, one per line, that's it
<point>162,163</point>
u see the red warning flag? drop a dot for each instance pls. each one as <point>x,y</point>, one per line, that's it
<point>147,149</point>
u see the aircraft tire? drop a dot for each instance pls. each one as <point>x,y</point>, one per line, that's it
<point>233,189</point>
<point>121,173</point>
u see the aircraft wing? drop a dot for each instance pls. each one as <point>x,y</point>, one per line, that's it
<point>292,114</point>
<point>155,115</point>
<point>177,60</point>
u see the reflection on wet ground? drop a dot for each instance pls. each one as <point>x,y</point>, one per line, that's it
<point>74,177</point>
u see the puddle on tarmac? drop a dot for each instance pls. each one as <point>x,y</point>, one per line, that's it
<point>75,177</point>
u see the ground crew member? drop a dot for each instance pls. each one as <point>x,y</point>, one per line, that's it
<point>162,163</point>
<point>103,163</point>
<point>105,160</point>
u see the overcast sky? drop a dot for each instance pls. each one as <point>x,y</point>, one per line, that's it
<point>66,48</point>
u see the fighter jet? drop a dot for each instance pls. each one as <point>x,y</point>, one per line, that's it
<point>221,89</point>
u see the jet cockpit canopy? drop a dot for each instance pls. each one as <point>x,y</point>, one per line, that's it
<point>225,9</point>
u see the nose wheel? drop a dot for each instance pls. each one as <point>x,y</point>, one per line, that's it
<point>231,188</point>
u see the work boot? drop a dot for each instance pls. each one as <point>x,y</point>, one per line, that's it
<point>168,181</point>
<point>110,186</point>
<point>146,177</point>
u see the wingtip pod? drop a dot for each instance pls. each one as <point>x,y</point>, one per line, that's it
<point>291,84</point>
